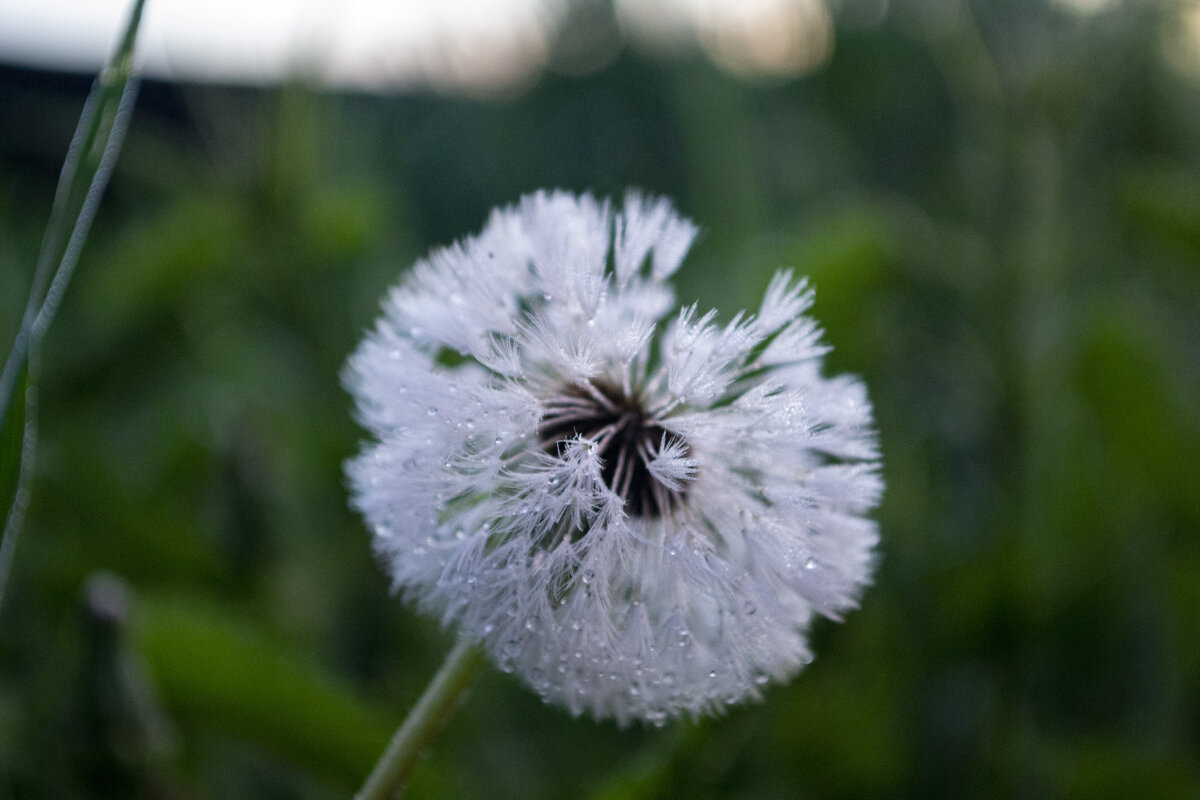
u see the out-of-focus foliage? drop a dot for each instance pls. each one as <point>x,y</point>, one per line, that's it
<point>999,205</point>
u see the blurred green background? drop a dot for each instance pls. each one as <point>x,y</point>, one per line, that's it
<point>999,205</point>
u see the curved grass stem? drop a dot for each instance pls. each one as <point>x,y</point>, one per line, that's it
<point>85,173</point>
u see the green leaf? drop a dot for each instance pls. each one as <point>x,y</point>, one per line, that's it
<point>1163,204</point>
<point>1143,411</point>
<point>212,669</point>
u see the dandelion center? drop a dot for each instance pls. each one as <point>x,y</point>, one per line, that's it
<point>627,436</point>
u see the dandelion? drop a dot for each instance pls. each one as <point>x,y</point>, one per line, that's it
<point>636,510</point>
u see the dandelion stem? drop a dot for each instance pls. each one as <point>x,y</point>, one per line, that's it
<point>426,719</point>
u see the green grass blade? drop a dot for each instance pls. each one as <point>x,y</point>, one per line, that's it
<point>90,160</point>
<point>18,435</point>
<point>12,431</point>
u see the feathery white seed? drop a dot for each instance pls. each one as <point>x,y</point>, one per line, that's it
<point>639,517</point>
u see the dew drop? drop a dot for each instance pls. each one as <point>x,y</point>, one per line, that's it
<point>432,411</point>
<point>810,563</point>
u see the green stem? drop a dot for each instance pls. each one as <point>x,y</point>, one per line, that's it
<point>427,718</point>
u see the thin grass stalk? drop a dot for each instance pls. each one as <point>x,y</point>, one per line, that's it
<point>89,163</point>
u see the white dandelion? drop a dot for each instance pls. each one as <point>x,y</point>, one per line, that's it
<point>637,512</point>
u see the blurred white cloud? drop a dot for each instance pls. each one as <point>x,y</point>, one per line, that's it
<point>472,45</point>
<point>1086,6</point>
<point>362,43</point>
<point>752,38</point>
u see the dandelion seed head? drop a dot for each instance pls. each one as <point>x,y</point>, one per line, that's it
<point>636,510</point>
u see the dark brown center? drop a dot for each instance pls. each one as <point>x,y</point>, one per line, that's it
<point>628,440</point>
